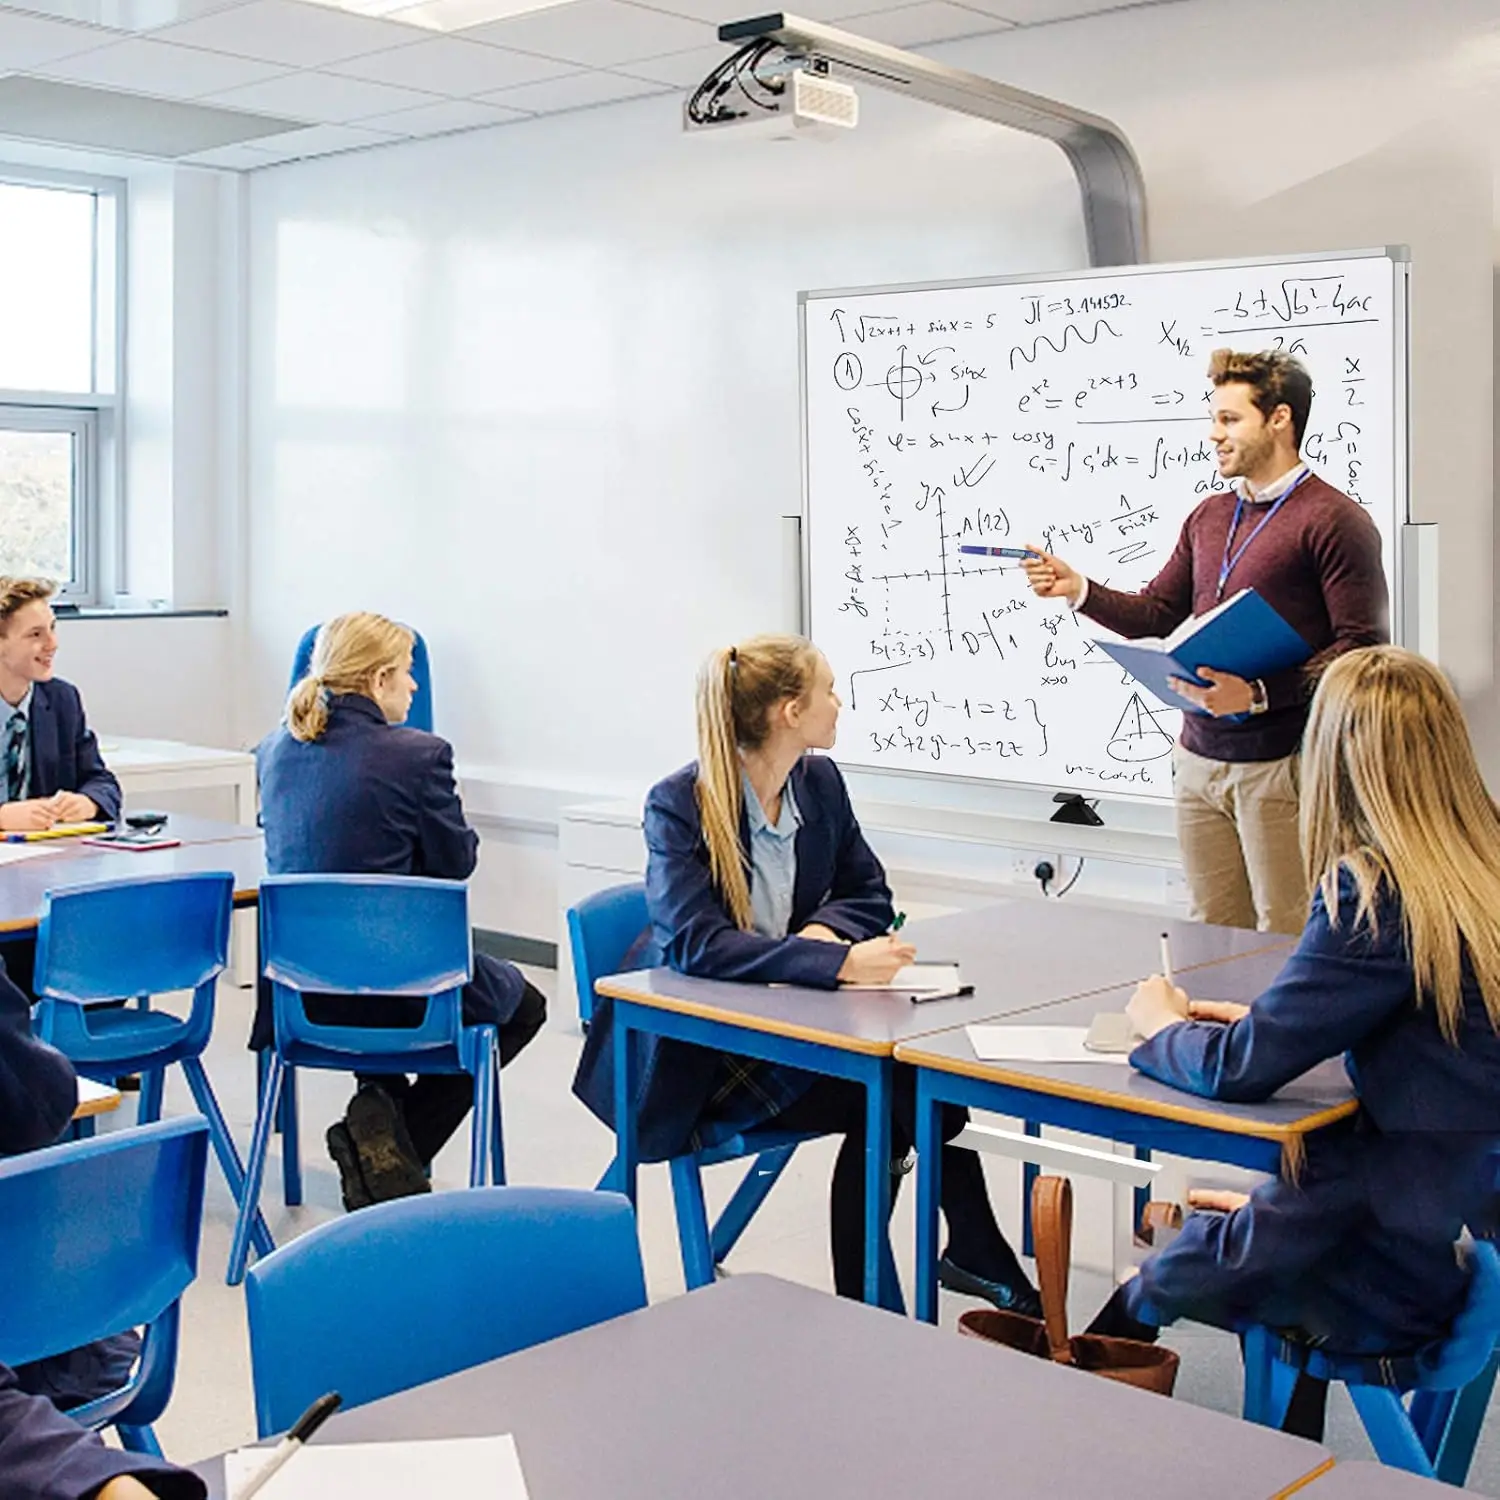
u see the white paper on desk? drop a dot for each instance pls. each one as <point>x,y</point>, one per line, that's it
<point>1041,1044</point>
<point>486,1468</point>
<point>10,853</point>
<point>919,979</point>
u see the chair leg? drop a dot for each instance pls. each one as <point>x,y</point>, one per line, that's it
<point>1389,1429</point>
<point>497,1135</point>
<point>291,1143</point>
<point>223,1143</point>
<point>482,1116</point>
<point>692,1222</point>
<point>139,1440</point>
<point>1429,1412</point>
<point>1456,1449</point>
<point>148,1108</point>
<point>1262,1369</point>
<point>255,1170</point>
<point>748,1197</point>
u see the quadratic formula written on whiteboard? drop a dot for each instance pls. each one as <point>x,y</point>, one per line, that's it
<point>1073,413</point>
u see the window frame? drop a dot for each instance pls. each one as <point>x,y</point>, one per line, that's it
<point>95,416</point>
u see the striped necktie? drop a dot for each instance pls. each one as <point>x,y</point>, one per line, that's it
<point>15,756</point>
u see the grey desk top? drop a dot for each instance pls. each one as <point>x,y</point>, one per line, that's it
<point>1375,1482</point>
<point>1017,954</point>
<point>25,883</point>
<point>756,1389</point>
<point>1316,1099</point>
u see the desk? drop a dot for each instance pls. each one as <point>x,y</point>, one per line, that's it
<point>1018,954</point>
<point>1364,1481</point>
<point>145,766</point>
<point>757,1388</point>
<point>1110,1099</point>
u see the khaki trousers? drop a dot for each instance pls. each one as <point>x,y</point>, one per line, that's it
<point>1237,827</point>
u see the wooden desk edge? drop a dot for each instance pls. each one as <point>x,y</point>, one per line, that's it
<point>1306,1480</point>
<point>994,1072</point>
<point>792,1031</point>
<point>103,1104</point>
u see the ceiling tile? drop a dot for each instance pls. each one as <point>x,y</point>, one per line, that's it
<point>26,41</point>
<point>719,11</point>
<point>917,25</point>
<point>446,65</point>
<point>144,66</point>
<point>573,92</point>
<point>1034,12</point>
<point>595,33</point>
<point>321,140</point>
<point>236,158</point>
<point>323,98</point>
<point>125,15</point>
<point>284,31</point>
<point>682,70</point>
<point>438,119</point>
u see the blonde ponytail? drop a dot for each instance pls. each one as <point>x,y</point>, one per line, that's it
<point>349,653</point>
<point>738,686</point>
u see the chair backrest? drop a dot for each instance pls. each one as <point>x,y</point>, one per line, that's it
<point>99,1235</point>
<point>417,1288</point>
<point>117,939</point>
<point>420,714</point>
<point>601,930</point>
<point>1476,1330</point>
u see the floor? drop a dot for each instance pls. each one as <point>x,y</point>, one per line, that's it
<point>552,1139</point>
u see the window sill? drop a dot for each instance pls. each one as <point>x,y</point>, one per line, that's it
<point>134,612</point>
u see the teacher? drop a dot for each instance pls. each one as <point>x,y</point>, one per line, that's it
<point>1313,555</point>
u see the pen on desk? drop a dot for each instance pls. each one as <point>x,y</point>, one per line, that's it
<point>299,1432</point>
<point>1166,959</point>
<point>900,922</point>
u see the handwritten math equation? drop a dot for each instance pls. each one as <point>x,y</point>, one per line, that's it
<point>945,426</point>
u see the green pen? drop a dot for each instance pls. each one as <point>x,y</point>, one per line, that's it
<point>900,922</point>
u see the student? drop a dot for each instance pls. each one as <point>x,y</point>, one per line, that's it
<point>50,768</point>
<point>1313,554</point>
<point>346,790</point>
<point>45,1456</point>
<point>1398,970</point>
<point>757,871</point>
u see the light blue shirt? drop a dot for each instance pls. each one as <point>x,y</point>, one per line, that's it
<point>773,861</point>
<point>24,709</point>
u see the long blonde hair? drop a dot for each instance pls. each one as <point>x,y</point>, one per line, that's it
<point>349,653</point>
<point>1391,792</point>
<point>738,686</point>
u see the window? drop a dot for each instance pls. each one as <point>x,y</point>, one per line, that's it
<point>59,376</point>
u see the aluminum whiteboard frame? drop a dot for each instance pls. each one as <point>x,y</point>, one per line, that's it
<point>1399,257</point>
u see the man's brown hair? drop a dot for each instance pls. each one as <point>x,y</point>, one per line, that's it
<point>1275,379</point>
<point>17,593</point>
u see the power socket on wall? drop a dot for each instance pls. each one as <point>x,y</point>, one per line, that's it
<point>1025,865</point>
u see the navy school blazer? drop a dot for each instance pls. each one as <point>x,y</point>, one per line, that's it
<point>64,755</point>
<point>372,798</point>
<point>38,1088</point>
<point>840,883</point>
<point>1358,1249</point>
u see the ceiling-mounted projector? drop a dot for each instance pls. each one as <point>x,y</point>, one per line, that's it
<point>766,90</point>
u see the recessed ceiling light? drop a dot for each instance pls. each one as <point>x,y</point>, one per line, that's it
<point>442,15</point>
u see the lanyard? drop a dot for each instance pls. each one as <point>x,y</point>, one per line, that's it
<point>1226,567</point>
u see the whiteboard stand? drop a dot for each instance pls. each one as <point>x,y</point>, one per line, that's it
<point>1417,628</point>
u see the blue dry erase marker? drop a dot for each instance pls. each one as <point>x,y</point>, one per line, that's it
<point>1016,552</point>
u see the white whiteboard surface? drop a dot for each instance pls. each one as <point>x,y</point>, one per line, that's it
<point>1072,412</point>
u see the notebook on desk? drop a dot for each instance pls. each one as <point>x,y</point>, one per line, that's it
<point>484,1468</point>
<point>920,982</point>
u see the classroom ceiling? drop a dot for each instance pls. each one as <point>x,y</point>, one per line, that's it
<point>311,77</point>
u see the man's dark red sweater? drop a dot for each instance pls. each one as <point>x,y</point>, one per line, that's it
<point>1317,564</point>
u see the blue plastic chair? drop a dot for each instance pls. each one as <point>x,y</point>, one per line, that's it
<point>420,715</point>
<point>1448,1384</point>
<point>366,935</point>
<point>601,931</point>
<point>130,940</point>
<point>418,1288</point>
<point>102,1236</point>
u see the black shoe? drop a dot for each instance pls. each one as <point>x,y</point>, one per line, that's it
<point>1007,1296</point>
<point>388,1161</point>
<point>129,1083</point>
<point>346,1158</point>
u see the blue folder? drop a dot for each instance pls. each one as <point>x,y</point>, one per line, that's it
<point>1244,635</point>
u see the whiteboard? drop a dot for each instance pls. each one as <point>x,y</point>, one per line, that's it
<point>1073,412</point>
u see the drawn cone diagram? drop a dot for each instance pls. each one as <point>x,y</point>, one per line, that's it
<point>1138,737</point>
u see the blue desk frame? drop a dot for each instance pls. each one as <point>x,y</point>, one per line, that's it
<point>873,1070</point>
<point>1144,1131</point>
